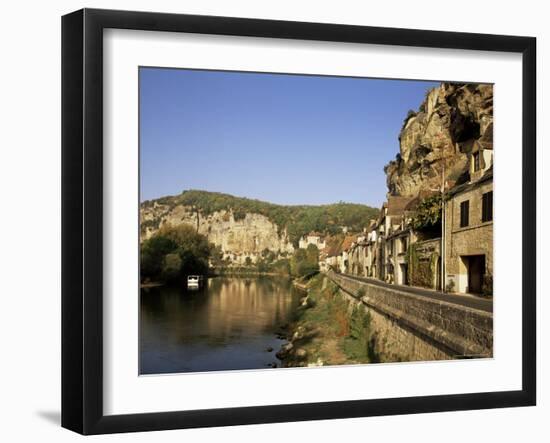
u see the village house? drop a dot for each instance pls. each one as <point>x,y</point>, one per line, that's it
<point>357,256</point>
<point>394,239</point>
<point>343,262</point>
<point>323,260</point>
<point>397,245</point>
<point>371,250</point>
<point>330,255</point>
<point>313,238</point>
<point>392,251</point>
<point>383,251</point>
<point>469,228</point>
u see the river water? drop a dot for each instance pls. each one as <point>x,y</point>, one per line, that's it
<point>229,324</point>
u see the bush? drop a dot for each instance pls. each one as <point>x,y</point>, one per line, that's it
<point>428,213</point>
<point>450,286</point>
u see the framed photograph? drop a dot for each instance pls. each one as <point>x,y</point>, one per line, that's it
<point>269,221</point>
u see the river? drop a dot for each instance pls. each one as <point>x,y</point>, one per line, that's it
<point>229,324</point>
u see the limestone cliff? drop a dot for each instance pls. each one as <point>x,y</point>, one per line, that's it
<point>244,227</point>
<point>248,236</point>
<point>453,120</point>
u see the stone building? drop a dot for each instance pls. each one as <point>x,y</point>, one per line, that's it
<point>358,255</point>
<point>391,250</point>
<point>371,250</point>
<point>313,238</point>
<point>395,238</point>
<point>397,245</point>
<point>344,257</point>
<point>469,229</point>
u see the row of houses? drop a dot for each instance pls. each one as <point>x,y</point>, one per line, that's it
<point>391,250</point>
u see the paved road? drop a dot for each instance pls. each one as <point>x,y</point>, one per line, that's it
<point>471,301</point>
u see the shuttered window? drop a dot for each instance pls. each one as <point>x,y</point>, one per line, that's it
<point>487,207</point>
<point>464,213</point>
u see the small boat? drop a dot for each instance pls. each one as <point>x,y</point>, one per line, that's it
<point>195,281</point>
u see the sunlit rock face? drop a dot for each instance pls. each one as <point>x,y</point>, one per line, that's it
<point>250,235</point>
<point>448,125</point>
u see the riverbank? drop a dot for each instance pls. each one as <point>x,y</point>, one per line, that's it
<point>327,329</point>
<point>229,274</point>
<point>300,284</point>
<point>150,285</point>
<point>244,273</point>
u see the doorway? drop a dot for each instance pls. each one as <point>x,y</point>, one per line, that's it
<point>475,265</point>
<point>403,278</point>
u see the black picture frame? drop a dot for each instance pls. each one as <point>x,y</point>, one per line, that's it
<point>82,218</point>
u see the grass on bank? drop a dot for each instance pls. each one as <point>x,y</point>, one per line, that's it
<point>331,329</point>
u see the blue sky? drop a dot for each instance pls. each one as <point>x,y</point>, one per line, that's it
<point>286,139</point>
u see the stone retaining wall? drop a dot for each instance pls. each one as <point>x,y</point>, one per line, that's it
<point>447,329</point>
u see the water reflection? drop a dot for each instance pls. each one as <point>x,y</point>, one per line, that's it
<point>229,324</point>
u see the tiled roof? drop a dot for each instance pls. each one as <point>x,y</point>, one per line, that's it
<point>348,240</point>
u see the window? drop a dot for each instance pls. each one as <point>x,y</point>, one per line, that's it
<point>464,213</point>
<point>404,244</point>
<point>487,207</point>
<point>477,163</point>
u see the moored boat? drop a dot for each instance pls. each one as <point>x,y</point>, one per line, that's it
<point>195,281</point>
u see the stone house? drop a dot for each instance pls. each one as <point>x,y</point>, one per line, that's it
<point>313,238</point>
<point>469,229</point>
<point>357,256</point>
<point>397,245</point>
<point>395,238</point>
<point>323,265</point>
<point>346,248</point>
<point>369,245</point>
<point>370,251</point>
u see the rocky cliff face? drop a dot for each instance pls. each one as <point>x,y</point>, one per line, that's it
<point>248,236</point>
<point>448,125</point>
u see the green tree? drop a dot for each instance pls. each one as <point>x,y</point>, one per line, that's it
<point>428,213</point>
<point>305,261</point>
<point>281,266</point>
<point>152,254</point>
<point>174,252</point>
<point>172,266</point>
<point>312,254</point>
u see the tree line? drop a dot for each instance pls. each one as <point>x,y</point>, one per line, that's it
<point>174,252</point>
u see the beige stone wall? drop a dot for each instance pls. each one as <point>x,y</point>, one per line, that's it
<point>425,269</point>
<point>454,330</point>
<point>475,239</point>
<point>394,343</point>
